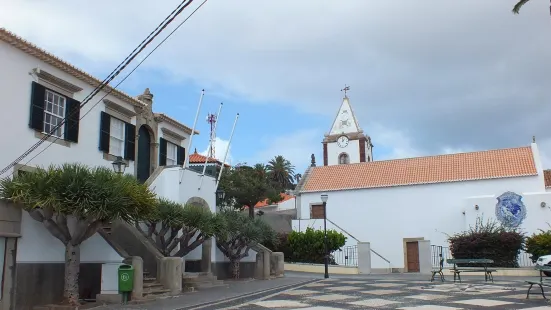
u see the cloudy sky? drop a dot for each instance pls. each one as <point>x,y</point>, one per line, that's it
<point>426,77</point>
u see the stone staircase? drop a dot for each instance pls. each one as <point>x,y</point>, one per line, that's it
<point>152,288</point>
<point>200,280</point>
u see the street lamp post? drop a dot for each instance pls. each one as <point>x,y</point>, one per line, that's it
<point>220,195</point>
<point>324,198</point>
<point>119,165</point>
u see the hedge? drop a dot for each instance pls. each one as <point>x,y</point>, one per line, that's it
<point>539,244</point>
<point>488,240</point>
<point>307,246</point>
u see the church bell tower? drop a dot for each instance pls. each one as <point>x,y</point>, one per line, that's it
<point>346,142</point>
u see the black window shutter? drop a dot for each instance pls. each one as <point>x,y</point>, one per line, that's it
<point>162,152</point>
<point>181,156</point>
<point>105,127</point>
<point>72,118</point>
<point>129,141</point>
<point>38,94</point>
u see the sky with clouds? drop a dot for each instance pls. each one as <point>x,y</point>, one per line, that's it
<point>426,77</point>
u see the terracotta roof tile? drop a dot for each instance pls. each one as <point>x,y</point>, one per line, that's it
<point>491,164</point>
<point>197,158</point>
<point>265,203</point>
<point>547,177</point>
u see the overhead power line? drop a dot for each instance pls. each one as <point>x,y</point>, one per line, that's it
<point>160,28</point>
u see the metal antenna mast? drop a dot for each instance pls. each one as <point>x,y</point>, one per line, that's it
<point>211,119</point>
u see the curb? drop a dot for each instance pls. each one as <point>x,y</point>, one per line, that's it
<point>228,302</point>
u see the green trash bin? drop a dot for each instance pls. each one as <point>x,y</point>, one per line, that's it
<point>126,278</point>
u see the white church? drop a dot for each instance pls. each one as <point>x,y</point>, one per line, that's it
<point>394,204</point>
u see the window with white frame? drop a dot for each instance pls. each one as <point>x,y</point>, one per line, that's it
<point>54,113</point>
<point>116,137</point>
<point>171,154</point>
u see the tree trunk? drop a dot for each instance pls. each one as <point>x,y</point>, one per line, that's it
<point>72,270</point>
<point>234,265</point>
<point>251,212</point>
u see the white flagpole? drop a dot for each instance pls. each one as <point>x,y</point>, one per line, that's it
<point>186,160</point>
<point>210,145</point>
<point>227,150</point>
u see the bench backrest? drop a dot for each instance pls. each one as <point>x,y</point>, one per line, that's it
<point>469,261</point>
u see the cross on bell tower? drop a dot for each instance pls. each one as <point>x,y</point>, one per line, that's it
<point>345,90</point>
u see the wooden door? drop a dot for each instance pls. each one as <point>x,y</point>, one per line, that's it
<point>412,254</point>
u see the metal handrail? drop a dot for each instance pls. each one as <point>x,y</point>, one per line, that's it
<point>346,232</point>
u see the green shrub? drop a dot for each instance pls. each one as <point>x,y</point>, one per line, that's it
<point>308,246</point>
<point>488,240</point>
<point>539,244</point>
<point>281,244</point>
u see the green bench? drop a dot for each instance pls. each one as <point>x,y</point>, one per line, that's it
<point>438,270</point>
<point>479,261</point>
<point>541,283</point>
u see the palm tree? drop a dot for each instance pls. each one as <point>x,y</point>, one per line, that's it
<point>88,196</point>
<point>282,172</point>
<point>261,169</point>
<point>520,4</point>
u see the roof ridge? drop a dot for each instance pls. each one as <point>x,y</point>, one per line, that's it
<point>5,35</point>
<point>478,165</point>
<point>34,50</point>
<point>431,156</point>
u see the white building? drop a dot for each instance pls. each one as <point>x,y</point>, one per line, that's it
<point>38,91</point>
<point>394,203</point>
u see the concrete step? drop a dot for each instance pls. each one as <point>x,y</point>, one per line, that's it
<point>206,285</point>
<point>152,285</point>
<point>199,277</point>
<point>155,292</point>
<point>201,280</point>
<point>149,280</point>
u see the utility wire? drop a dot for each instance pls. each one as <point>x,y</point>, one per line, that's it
<point>111,76</point>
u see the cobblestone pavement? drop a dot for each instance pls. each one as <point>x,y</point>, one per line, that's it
<point>389,293</point>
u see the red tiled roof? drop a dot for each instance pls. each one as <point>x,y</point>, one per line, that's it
<point>547,177</point>
<point>503,163</point>
<point>197,158</point>
<point>265,202</point>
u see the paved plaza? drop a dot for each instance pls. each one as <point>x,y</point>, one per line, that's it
<point>405,294</point>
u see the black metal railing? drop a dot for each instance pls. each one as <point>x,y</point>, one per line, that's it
<point>436,251</point>
<point>524,260</point>
<point>346,256</point>
<point>523,257</point>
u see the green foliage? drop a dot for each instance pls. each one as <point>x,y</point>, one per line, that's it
<point>245,186</point>
<point>92,196</point>
<point>519,5</point>
<point>84,192</point>
<point>281,244</point>
<point>281,173</point>
<point>539,244</point>
<point>173,225</point>
<point>488,240</point>
<point>237,233</point>
<point>308,246</point>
